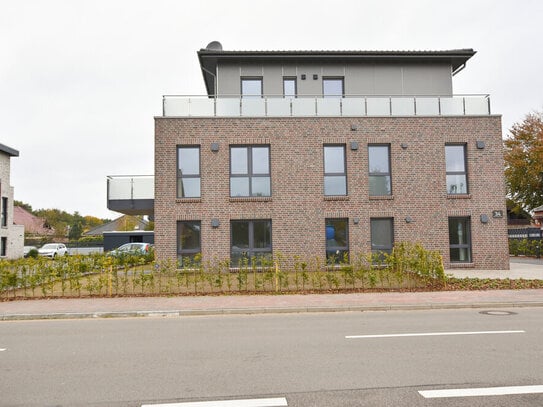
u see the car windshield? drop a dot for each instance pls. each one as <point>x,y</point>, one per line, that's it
<point>49,246</point>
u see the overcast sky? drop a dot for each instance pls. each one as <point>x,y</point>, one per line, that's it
<point>80,81</point>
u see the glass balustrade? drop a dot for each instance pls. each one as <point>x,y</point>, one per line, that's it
<point>351,105</point>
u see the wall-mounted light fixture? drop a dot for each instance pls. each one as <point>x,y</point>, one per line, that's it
<point>354,145</point>
<point>408,219</point>
<point>484,218</point>
<point>480,144</point>
<point>356,221</point>
<point>215,223</point>
<point>315,76</point>
<point>404,146</point>
<point>214,147</point>
<point>303,77</point>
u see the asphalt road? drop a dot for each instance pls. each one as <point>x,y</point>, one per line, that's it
<point>303,359</point>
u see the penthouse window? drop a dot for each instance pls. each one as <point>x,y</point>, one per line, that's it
<point>455,159</point>
<point>251,87</point>
<point>379,170</point>
<point>335,170</point>
<point>289,87</point>
<point>250,171</point>
<point>332,87</point>
<point>188,172</point>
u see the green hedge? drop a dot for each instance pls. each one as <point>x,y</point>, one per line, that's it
<point>408,266</point>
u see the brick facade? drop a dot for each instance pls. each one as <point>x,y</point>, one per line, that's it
<point>298,207</point>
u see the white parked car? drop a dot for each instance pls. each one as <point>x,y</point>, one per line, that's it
<point>53,250</point>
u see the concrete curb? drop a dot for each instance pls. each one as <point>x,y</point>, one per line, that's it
<point>263,310</point>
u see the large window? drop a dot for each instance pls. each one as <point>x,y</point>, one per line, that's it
<point>460,239</point>
<point>379,170</point>
<point>251,87</point>
<point>335,170</point>
<point>455,159</point>
<point>332,87</point>
<point>250,241</point>
<point>289,87</point>
<point>188,172</point>
<point>382,235</point>
<point>337,240</point>
<point>188,241</point>
<point>250,171</point>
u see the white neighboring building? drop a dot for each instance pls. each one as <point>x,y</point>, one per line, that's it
<point>11,236</point>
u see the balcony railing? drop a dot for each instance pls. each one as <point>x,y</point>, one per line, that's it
<point>310,106</point>
<point>131,194</point>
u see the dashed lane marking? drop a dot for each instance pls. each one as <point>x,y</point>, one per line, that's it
<point>487,391</point>
<point>432,334</point>
<point>271,402</point>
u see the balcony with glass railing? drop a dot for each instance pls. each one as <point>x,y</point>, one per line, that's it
<point>131,194</point>
<point>315,106</point>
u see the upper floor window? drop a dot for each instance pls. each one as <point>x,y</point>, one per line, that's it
<point>188,241</point>
<point>251,87</point>
<point>4,220</point>
<point>332,87</point>
<point>335,170</point>
<point>379,170</point>
<point>250,239</point>
<point>460,239</point>
<point>337,240</point>
<point>250,171</point>
<point>188,172</point>
<point>455,161</point>
<point>289,87</point>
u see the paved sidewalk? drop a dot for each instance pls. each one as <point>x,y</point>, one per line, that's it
<point>251,304</point>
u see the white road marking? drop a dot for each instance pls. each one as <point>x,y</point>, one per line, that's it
<point>275,402</point>
<point>432,334</point>
<point>488,391</point>
<point>2,349</point>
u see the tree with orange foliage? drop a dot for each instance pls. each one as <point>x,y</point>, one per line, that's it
<point>524,162</point>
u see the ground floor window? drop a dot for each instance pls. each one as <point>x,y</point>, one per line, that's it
<point>382,235</point>
<point>188,241</point>
<point>337,240</point>
<point>460,239</point>
<point>250,242</point>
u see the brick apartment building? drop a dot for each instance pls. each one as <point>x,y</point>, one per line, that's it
<point>322,153</point>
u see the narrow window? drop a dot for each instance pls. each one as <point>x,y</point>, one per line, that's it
<point>3,246</point>
<point>188,172</point>
<point>332,87</point>
<point>251,87</point>
<point>250,171</point>
<point>250,241</point>
<point>382,235</point>
<point>188,241</point>
<point>337,240</point>
<point>4,220</point>
<point>379,170</point>
<point>460,239</point>
<point>455,159</point>
<point>289,87</point>
<point>335,170</point>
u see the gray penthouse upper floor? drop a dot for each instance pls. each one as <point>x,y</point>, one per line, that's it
<point>362,73</point>
<point>327,83</point>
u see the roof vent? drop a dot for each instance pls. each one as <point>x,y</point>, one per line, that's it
<point>214,46</point>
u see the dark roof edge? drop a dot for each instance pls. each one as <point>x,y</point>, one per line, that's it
<point>453,52</point>
<point>8,150</point>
